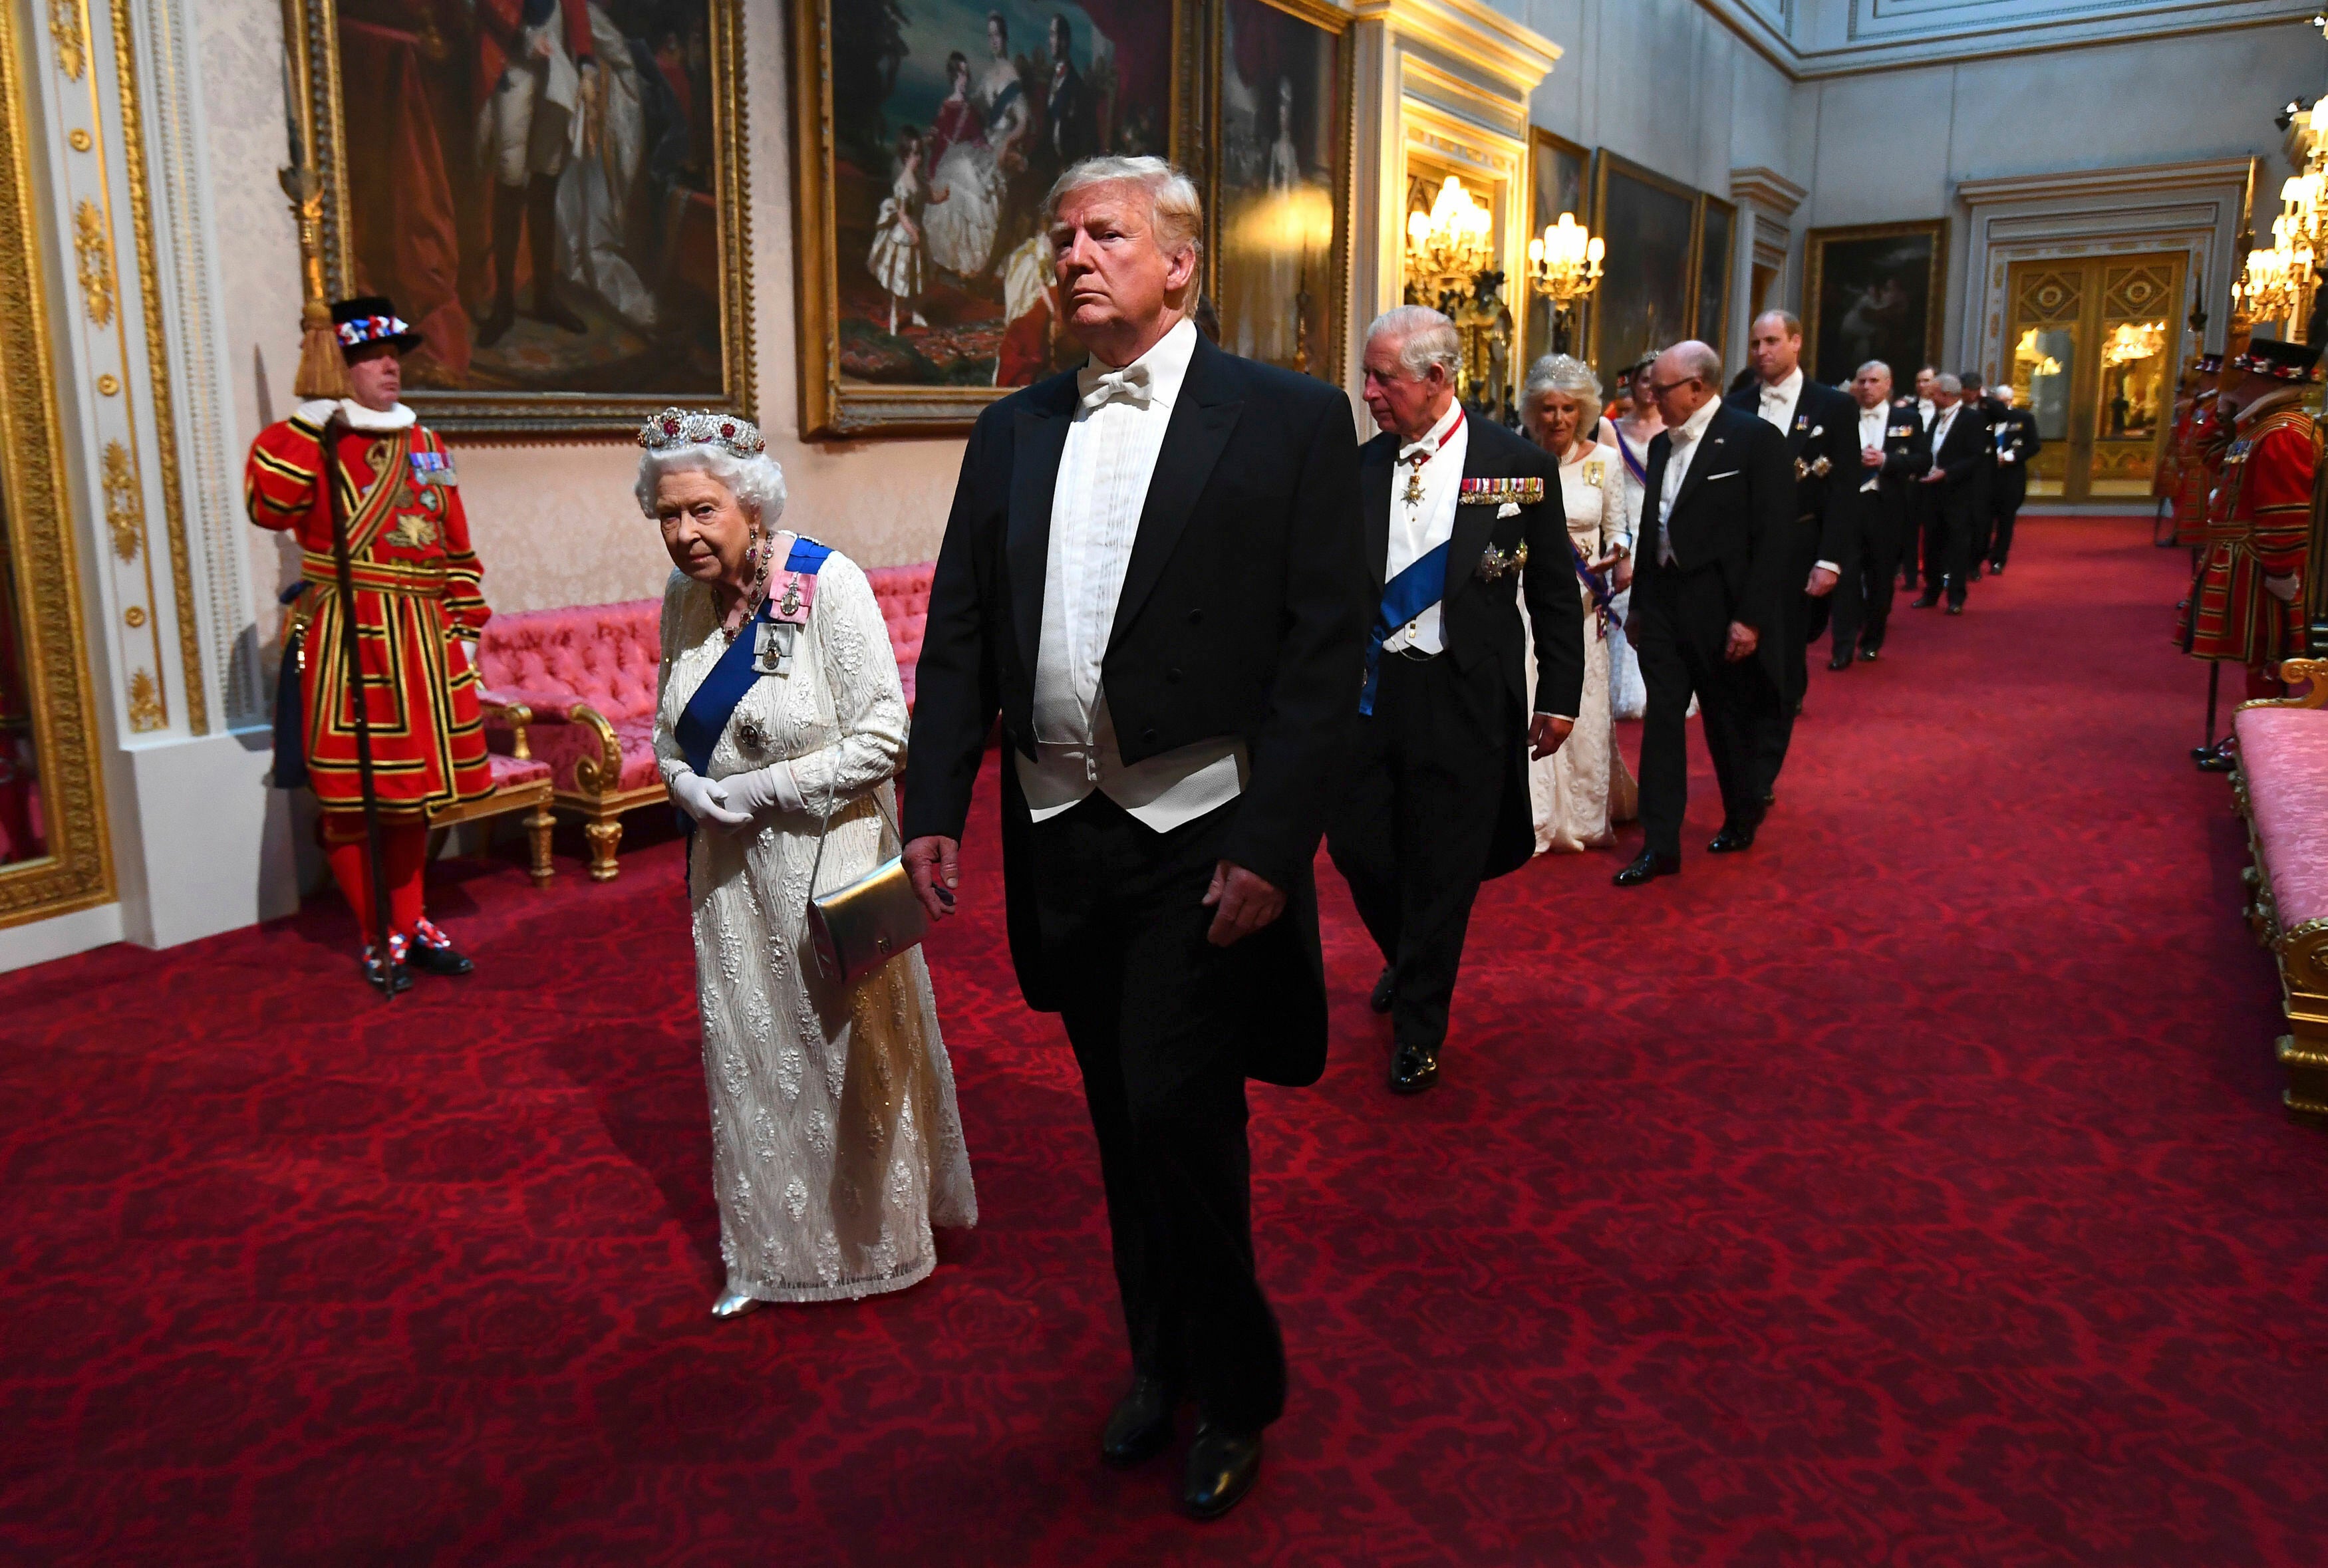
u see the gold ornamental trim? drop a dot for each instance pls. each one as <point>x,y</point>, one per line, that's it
<point>146,710</point>
<point>158,377</point>
<point>35,513</point>
<point>66,32</point>
<point>94,254</point>
<point>125,507</point>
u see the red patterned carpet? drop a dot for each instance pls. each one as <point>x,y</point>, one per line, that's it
<point>1912,1190</point>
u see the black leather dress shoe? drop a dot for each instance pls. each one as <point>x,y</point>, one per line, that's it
<point>444,959</point>
<point>1381,999</point>
<point>1869,656</point>
<point>2218,758</point>
<point>1222,1465</point>
<point>1140,1424</point>
<point>1956,607</point>
<point>1842,660</point>
<point>1975,573</point>
<point>1731,839</point>
<point>1925,602</point>
<point>1996,568</point>
<point>389,975</point>
<point>1648,866</point>
<point>1412,1070</point>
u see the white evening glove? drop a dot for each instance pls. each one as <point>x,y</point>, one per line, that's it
<point>756,791</point>
<point>2281,588</point>
<point>705,801</point>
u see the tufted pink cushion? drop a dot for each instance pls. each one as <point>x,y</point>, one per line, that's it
<point>2284,753</point>
<point>903,595</point>
<point>509,772</point>
<point>603,654</point>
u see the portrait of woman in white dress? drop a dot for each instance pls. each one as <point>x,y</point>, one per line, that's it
<point>960,230</point>
<point>836,1145</point>
<point>1580,792</point>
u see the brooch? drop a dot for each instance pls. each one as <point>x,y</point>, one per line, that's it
<point>1818,470</point>
<point>751,737</point>
<point>1528,492</point>
<point>1502,563</point>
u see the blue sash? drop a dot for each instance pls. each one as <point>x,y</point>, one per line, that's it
<point>705,720</point>
<point>1632,464</point>
<point>1404,597</point>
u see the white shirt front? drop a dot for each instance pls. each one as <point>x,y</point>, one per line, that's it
<point>1941,422</point>
<point>1873,425</point>
<point>1684,447</point>
<point>1924,408</point>
<point>1777,405</point>
<point>1421,526</point>
<point>1105,469</point>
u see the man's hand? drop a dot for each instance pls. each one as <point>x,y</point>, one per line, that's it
<point>1871,456</point>
<point>2282,588</point>
<point>1545,735</point>
<point>933,866</point>
<point>1932,477</point>
<point>1241,901</point>
<point>2004,458</point>
<point>1743,639</point>
<point>1822,582</point>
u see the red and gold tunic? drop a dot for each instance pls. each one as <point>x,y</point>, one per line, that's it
<point>2197,455</point>
<point>2260,526</point>
<point>418,607</point>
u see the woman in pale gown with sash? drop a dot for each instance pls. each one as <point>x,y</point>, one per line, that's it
<point>1627,439</point>
<point>835,1141</point>
<point>1580,792</point>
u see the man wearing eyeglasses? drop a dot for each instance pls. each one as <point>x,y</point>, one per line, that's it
<point>1712,566</point>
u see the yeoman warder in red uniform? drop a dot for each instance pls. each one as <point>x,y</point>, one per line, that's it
<point>418,611</point>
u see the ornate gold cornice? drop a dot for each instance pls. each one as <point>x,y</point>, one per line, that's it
<point>67,32</point>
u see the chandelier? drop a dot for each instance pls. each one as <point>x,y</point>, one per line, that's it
<point>2303,208</point>
<point>2130,341</point>
<point>1451,244</point>
<point>2276,280</point>
<point>1564,262</point>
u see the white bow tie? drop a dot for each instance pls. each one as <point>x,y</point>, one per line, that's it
<point>1131,384</point>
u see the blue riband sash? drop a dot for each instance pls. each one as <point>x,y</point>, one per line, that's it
<point>1404,597</point>
<point>1594,584</point>
<point>1632,462</point>
<point>700,727</point>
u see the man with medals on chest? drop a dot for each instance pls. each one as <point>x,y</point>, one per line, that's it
<point>1821,426</point>
<point>1459,512</point>
<point>2245,604</point>
<point>418,611</point>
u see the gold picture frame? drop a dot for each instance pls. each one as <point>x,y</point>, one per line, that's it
<point>1631,293</point>
<point>35,519</point>
<point>313,37</point>
<point>837,401</point>
<point>1327,361</point>
<point>1845,257</point>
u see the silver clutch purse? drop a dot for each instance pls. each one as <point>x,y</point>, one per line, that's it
<point>856,929</point>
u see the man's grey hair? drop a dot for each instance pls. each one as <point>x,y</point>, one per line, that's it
<point>1877,365</point>
<point>1424,337</point>
<point>1949,384</point>
<point>1177,211</point>
<point>1567,375</point>
<point>1700,361</point>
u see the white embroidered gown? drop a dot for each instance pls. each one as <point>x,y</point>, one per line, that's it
<point>835,1141</point>
<point>1579,790</point>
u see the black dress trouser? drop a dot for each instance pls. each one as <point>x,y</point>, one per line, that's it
<point>1863,600</point>
<point>1680,625</point>
<point>1417,817</point>
<point>1802,617</point>
<point>2010,489</point>
<point>1153,1011</point>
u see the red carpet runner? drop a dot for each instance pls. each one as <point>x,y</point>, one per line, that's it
<point>1912,1190</point>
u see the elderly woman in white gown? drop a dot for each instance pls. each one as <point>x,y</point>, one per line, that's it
<point>835,1141</point>
<point>1581,790</point>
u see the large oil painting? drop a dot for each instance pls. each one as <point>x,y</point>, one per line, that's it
<point>1874,294</point>
<point>1717,227</point>
<point>1558,172</point>
<point>1278,197</point>
<point>928,133</point>
<point>549,190</point>
<point>1646,301</point>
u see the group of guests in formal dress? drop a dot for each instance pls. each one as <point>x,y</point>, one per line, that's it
<point>1211,630</point>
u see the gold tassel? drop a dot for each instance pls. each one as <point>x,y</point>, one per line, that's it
<point>323,368</point>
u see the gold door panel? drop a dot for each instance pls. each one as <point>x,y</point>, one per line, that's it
<point>2095,341</point>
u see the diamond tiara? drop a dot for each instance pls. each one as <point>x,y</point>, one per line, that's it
<point>676,427</point>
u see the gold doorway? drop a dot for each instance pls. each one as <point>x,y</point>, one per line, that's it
<point>2094,342</point>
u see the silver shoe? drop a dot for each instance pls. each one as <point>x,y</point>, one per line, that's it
<point>735,1304</point>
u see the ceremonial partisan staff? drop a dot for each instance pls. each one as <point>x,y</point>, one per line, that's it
<point>351,661</point>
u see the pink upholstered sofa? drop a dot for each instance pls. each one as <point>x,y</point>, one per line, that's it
<point>2282,787</point>
<point>578,686</point>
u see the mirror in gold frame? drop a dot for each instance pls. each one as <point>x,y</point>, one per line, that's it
<point>54,854</point>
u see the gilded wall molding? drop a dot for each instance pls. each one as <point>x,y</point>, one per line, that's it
<point>124,504</point>
<point>70,33</point>
<point>36,515</point>
<point>93,258</point>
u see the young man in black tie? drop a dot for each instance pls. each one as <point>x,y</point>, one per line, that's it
<point>1892,453</point>
<point>1820,426</point>
<point>1954,493</point>
<point>1459,512</point>
<point>1713,564</point>
<point>1150,572</point>
<point>1980,402</point>
<point>2017,446</point>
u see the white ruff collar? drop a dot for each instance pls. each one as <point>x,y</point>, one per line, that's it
<point>355,416</point>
